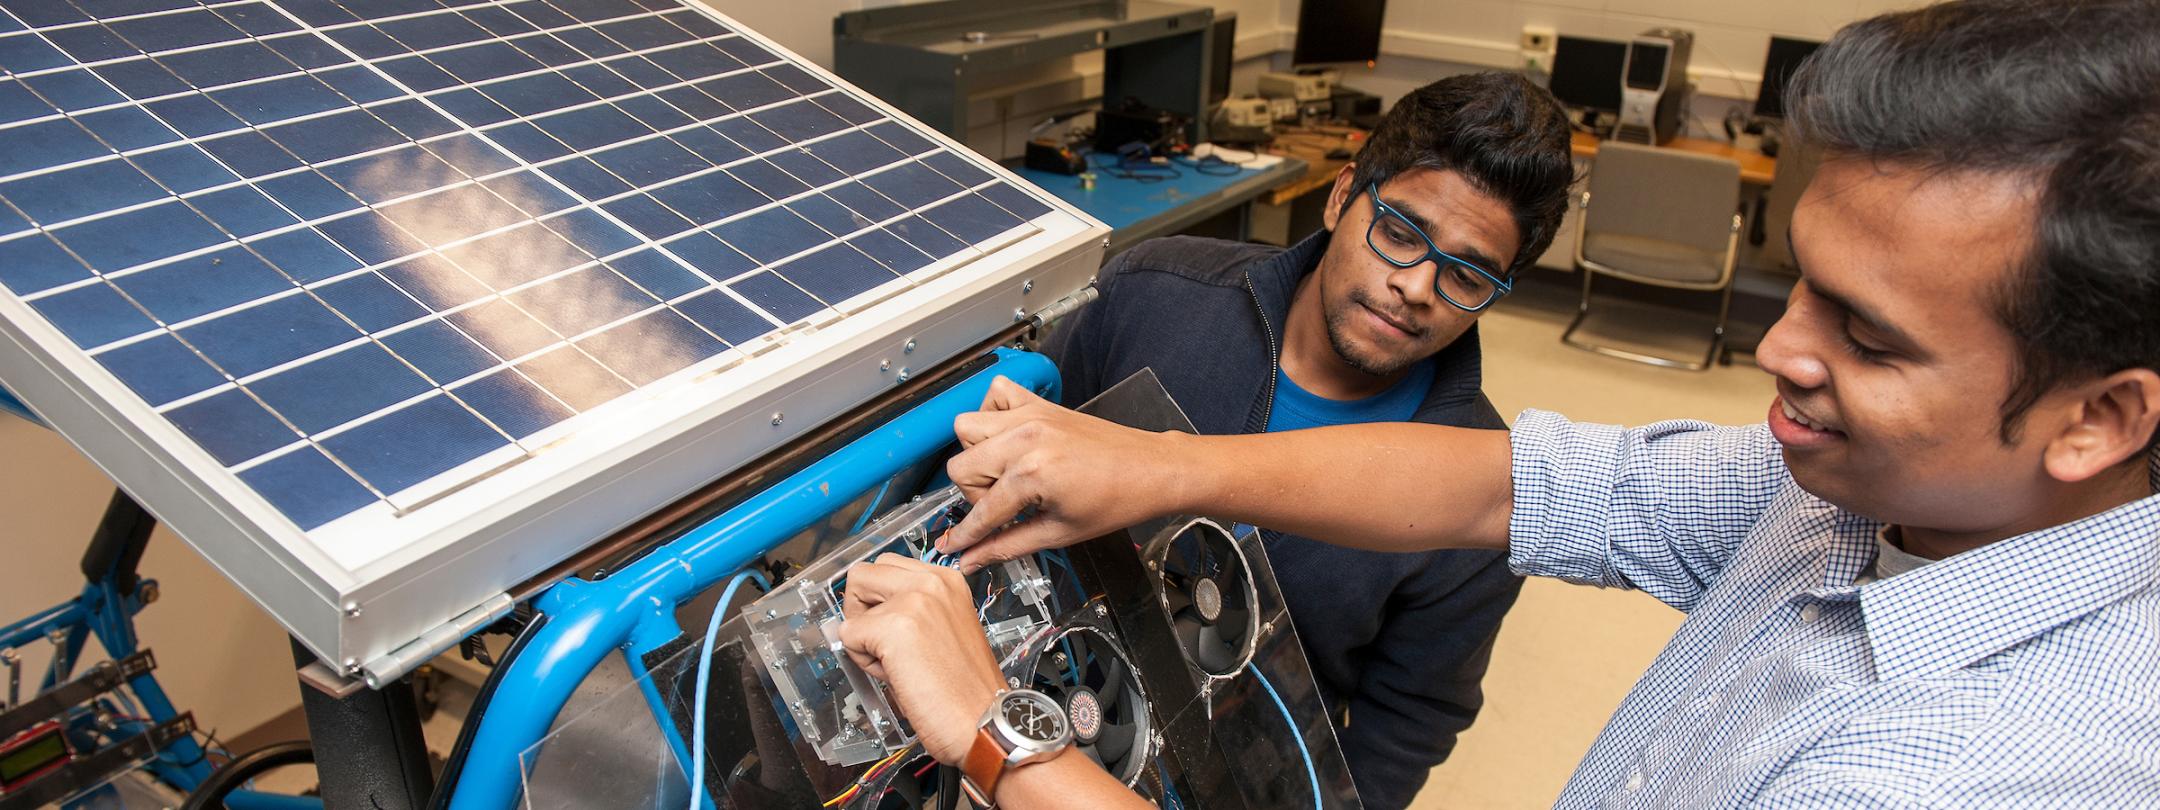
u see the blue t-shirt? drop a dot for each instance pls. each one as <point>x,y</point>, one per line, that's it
<point>1297,408</point>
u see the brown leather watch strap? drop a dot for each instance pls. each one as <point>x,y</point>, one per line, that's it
<point>985,762</point>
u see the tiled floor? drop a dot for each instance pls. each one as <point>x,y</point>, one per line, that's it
<point>1568,654</point>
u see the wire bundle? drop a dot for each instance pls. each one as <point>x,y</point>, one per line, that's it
<point>876,772</point>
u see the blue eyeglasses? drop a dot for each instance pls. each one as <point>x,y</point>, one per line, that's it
<point>1391,235</point>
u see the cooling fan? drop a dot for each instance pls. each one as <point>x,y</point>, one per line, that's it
<point>1207,588</point>
<point>1090,675</point>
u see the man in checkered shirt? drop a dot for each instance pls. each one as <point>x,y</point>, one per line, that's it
<point>1932,579</point>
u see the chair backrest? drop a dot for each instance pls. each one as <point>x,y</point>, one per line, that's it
<point>1666,194</point>
<point>1795,167</point>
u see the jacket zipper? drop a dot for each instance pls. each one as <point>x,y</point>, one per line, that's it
<point>1267,407</point>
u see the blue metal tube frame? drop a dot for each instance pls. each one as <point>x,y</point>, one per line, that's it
<point>633,609</point>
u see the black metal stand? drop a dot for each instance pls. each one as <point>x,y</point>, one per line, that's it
<point>370,754</point>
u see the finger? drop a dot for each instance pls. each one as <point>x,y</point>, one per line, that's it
<point>1023,538</point>
<point>1006,395</point>
<point>998,506</point>
<point>872,583</point>
<point>978,467</point>
<point>974,427</point>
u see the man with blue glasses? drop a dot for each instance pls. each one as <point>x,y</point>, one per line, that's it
<point>1368,320</point>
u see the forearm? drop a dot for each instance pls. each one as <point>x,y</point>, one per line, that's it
<point>1070,780</point>
<point>1384,486</point>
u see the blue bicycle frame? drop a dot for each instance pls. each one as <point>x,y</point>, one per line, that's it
<point>633,610</point>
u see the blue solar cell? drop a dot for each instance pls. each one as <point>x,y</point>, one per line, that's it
<point>768,178</point>
<point>598,80</point>
<point>805,167</point>
<point>93,315</point>
<point>330,391</point>
<point>89,43</point>
<point>593,233</point>
<point>726,317</point>
<point>912,184</point>
<point>279,99</point>
<point>651,347</point>
<point>234,342</point>
<point>439,351</point>
<point>250,153</point>
<point>657,274</point>
<point>360,84</point>
<point>46,143</point>
<point>900,137</point>
<point>889,250</point>
<point>502,329</point>
<point>593,11</point>
<point>367,42</point>
<point>654,112</point>
<point>647,216</point>
<point>435,282</point>
<point>523,254</point>
<point>24,53</point>
<point>972,218</point>
<point>533,95</point>
<point>167,32</point>
<point>771,235</point>
<point>109,9</point>
<point>1021,203</point>
<point>243,211</point>
<point>34,263</point>
<point>415,120</point>
<point>17,103</point>
<point>548,51</point>
<point>774,295</point>
<point>512,403</point>
<point>408,446</point>
<point>160,369</point>
<point>545,16</point>
<point>452,214</point>
<point>828,214</point>
<point>124,240</point>
<point>836,273</point>
<point>712,197</point>
<point>710,145</point>
<point>531,194</point>
<point>694,103</point>
<point>198,286</point>
<point>11,222</point>
<point>695,61</point>
<point>73,89</point>
<point>865,201</point>
<point>257,19</point>
<point>309,51</point>
<point>710,256</point>
<point>194,116</point>
<point>591,43</point>
<point>81,191</point>
<point>183,168</point>
<point>433,31</point>
<point>386,176</point>
<point>127,128</point>
<point>749,53</point>
<point>957,168</point>
<point>370,237</point>
<point>304,255</point>
<point>306,193</point>
<point>371,302</point>
<point>141,79</point>
<point>747,90</point>
<point>699,25</point>
<point>589,128</point>
<point>232,426</point>
<point>528,143</point>
<point>307,487</point>
<point>319,12</point>
<point>644,33</point>
<point>471,107</point>
<point>583,300</point>
<point>228,64</point>
<point>587,179</point>
<point>417,73</point>
<point>641,72</point>
<point>796,79</point>
<point>574,378</point>
<point>501,22</point>
<point>926,237</point>
<point>468,154</point>
<point>750,134</point>
<point>484,62</point>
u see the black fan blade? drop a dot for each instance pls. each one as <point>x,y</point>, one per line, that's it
<point>1114,743</point>
<point>1233,625</point>
<point>1214,654</point>
<point>1188,627</point>
<point>1112,690</point>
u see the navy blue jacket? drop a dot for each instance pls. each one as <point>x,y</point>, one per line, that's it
<point>1398,642</point>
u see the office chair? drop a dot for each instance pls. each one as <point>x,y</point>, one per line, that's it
<point>1661,217</point>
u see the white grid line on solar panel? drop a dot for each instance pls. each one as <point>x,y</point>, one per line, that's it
<point>611,62</point>
<point>286,35</point>
<point>813,297</point>
<point>444,315</point>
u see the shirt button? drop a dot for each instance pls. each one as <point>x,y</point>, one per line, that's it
<point>1809,612</point>
<point>1634,782</point>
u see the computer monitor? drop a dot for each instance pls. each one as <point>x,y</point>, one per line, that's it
<point>1785,56</point>
<point>1586,72</point>
<point>1222,56</point>
<point>1335,32</point>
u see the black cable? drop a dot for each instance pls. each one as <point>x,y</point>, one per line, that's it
<point>948,787</point>
<point>223,781</point>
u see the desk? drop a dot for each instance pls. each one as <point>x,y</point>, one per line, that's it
<point>1137,210</point>
<point>1755,167</point>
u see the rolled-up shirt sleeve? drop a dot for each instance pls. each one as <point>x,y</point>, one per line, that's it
<point>1659,508</point>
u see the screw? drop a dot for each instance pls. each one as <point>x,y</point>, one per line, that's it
<point>771,613</point>
<point>148,593</point>
<point>1019,314</point>
<point>352,666</point>
<point>1266,628</point>
<point>1014,682</point>
<point>1106,243</point>
<point>1058,658</point>
<point>777,418</point>
<point>884,366</point>
<point>909,348</point>
<point>775,665</point>
<point>1101,611</point>
<point>903,375</point>
<point>1027,287</point>
<point>56,635</point>
<point>352,610</point>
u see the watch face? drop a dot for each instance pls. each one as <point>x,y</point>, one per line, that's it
<point>1033,716</point>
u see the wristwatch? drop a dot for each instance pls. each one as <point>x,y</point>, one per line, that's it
<point>1022,727</point>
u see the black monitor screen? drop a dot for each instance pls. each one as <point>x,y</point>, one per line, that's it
<point>1777,70</point>
<point>1222,60</point>
<point>1646,66</point>
<point>1332,32</point>
<point>1586,72</point>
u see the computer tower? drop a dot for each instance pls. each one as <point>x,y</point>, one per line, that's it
<point>1654,86</point>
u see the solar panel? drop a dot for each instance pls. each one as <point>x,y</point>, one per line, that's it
<point>330,267</point>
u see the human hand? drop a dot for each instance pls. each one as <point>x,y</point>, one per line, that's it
<point>1076,476</point>
<point>913,625</point>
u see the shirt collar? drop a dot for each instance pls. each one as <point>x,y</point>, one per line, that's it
<point>1971,605</point>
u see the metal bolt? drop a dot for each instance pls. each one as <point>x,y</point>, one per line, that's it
<point>1266,628</point>
<point>1019,314</point>
<point>903,375</point>
<point>1058,658</point>
<point>352,666</point>
<point>1027,287</point>
<point>778,417</point>
<point>909,348</point>
<point>1014,682</point>
<point>1101,610</point>
<point>771,613</point>
<point>884,366</point>
<point>1106,243</point>
<point>56,635</point>
<point>147,594</point>
<point>352,610</point>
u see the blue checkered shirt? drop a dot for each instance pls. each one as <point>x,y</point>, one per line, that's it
<point>2022,674</point>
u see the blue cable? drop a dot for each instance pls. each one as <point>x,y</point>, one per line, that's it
<point>704,677</point>
<point>870,510</point>
<point>1295,733</point>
